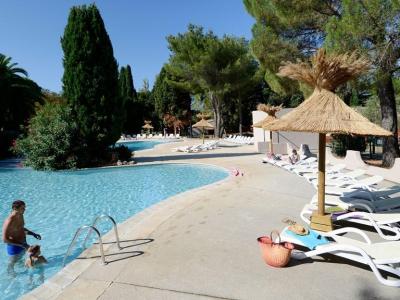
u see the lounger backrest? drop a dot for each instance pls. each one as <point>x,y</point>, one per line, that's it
<point>355,173</point>
<point>337,167</point>
<point>369,181</point>
<point>305,150</point>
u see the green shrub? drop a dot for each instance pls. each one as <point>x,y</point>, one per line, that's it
<point>123,153</point>
<point>342,143</point>
<point>50,139</point>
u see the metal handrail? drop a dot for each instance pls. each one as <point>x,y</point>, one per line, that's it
<point>91,228</point>
<point>98,218</point>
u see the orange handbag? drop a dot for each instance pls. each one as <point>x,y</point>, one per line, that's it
<point>275,254</point>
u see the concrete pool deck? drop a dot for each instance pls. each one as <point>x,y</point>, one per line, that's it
<point>201,244</point>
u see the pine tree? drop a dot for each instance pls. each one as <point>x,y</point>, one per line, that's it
<point>90,81</point>
<point>287,30</point>
<point>169,98</point>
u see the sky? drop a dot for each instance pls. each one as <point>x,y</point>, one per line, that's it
<point>30,32</point>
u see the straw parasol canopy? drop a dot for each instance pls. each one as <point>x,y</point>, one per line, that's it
<point>203,124</point>
<point>147,126</point>
<point>271,116</point>
<point>324,112</point>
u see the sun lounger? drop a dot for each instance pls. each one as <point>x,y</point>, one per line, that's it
<point>379,205</point>
<point>379,221</point>
<point>336,175</point>
<point>365,183</point>
<point>305,163</point>
<point>314,170</point>
<point>378,256</point>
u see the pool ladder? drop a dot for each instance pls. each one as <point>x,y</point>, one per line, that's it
<point>92,228</point>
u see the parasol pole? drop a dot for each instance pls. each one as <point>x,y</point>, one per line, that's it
<point>270,142</point>
<point>321,174</point>
<point>203,133</point>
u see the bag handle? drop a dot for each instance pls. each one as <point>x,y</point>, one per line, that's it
<point>277,234</point>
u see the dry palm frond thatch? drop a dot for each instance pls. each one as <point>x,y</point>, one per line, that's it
<point>326,72</point>
<point>324,111</point>
<point>203,124</point>
<point>270,110</point>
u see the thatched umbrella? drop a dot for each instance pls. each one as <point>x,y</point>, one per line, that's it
<point>147,126</point>
<point>271,112</point>
<point>324,112</point>
<point>203,124</point>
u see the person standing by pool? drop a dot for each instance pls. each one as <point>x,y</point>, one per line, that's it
<point>14,233</point>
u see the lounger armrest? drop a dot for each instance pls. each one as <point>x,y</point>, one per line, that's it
<point>358,204</point>
<point>349,230</point>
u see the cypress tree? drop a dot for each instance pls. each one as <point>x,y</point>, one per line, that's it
<point>90,81</point>
<point>122,83</point>
<point>130,89</point>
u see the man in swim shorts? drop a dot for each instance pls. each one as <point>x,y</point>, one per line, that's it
<point>14,233</point>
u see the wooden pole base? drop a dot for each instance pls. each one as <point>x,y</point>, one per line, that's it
<point>321,222</point>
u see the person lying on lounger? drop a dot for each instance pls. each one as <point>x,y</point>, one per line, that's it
<point>294,157</point>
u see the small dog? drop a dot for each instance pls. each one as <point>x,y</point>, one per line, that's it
<point>34,257</point>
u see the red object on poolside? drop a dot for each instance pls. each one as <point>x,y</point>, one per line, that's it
<point>275,254</point>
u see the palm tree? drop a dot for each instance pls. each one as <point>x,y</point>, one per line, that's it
<point>18,95</point>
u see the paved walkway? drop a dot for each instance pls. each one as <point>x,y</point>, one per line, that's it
<point>202,244</point>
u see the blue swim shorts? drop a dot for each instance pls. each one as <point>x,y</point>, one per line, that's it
<point>14,250</point>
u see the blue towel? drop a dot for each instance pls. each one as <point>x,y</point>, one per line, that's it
<point>311,240</point>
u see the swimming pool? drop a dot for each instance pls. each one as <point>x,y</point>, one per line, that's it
<point>143,145</point>
<point>60,202</point>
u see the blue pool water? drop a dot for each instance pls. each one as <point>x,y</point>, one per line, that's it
<point>57,203</point>
<point>142,145</point>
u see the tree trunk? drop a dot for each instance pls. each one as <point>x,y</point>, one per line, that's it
<point>240,117</point>
<point>218,122</point>
<point>389,116</point>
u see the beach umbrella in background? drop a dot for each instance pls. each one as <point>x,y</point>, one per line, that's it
<point>324,112</point>
<point>271,111</point>
<point>203,124</point>
<point>147,126</point>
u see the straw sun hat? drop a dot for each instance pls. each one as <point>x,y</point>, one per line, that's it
<point>296,228</point>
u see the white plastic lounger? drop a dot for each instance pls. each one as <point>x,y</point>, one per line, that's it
<point>302,164</point>
<point>332,170</point>
<point>380,205</point>
<point>181,149</point>
<point>349,175</point>
<point>378,256</point>
<point>365,183</point>
<point>195,148</point>
<point>379,221</point>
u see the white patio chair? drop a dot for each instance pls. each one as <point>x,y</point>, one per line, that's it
<point>378,256</point>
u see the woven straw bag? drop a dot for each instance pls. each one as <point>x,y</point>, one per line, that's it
<point>275,254</point>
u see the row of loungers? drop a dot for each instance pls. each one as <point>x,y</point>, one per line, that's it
<point>197,148</point>
<point>238,139</point>
<point>148,136</point>
<point>354,200</point>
